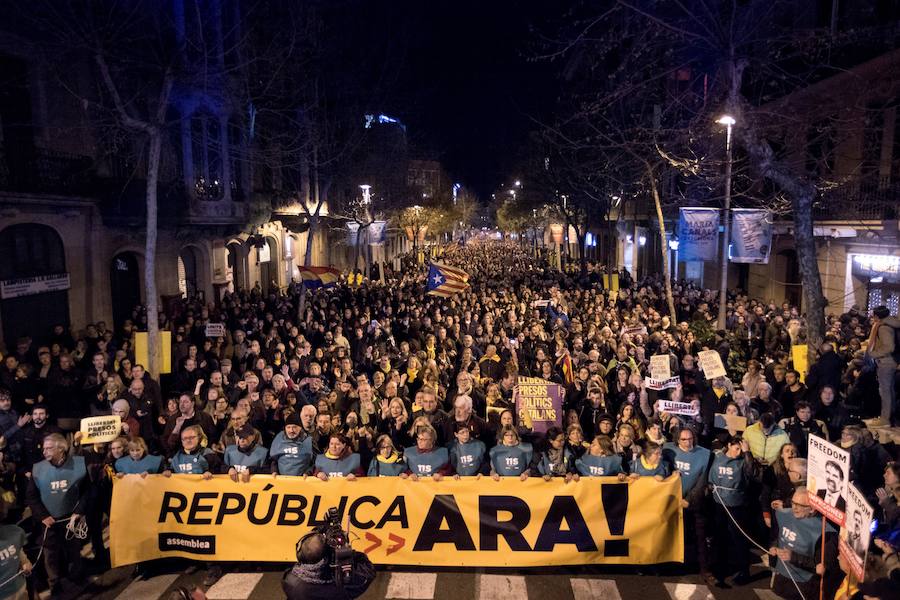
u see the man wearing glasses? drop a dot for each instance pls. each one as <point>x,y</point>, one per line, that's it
<point>692,462</point>
<point>799,550</point>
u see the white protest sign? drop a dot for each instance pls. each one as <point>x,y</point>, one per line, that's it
<point>856,532</point>
<point>678,408</point>
<point>96,430</point>
<point>214,330</point>
<point>661,384</point>
<point>659,366</point>
<point>711,364</point>
<point>828,473</point>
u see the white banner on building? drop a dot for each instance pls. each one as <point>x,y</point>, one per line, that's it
<point>698,232</point>
<point>828,474</point>
<point>377,232</point>
<point>352,233</point>
<point>14,288</point>
<point>751,235</point>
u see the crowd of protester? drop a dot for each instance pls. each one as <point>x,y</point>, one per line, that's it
<point>381,379</point>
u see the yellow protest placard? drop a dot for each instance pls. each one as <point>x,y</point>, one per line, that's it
<point>800,356</point>
<point>463,523</point>
<point>165,351</point>
<point>96,430</point>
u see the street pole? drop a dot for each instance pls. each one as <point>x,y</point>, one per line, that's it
<point>726,218</point>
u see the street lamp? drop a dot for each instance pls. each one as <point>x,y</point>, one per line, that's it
<point>728,121</point>
<point>367,191</point>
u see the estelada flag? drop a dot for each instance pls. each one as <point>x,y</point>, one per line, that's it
<point>445,281</point>
<point>564,363</point>
<point>317,277</point>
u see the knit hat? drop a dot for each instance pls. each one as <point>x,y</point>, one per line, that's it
<point>292,419</point>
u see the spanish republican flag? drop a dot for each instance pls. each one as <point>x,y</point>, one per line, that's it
<point>317,277</point>
<point>444,281</point>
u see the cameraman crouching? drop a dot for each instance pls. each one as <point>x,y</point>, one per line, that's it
<point>313,577</point>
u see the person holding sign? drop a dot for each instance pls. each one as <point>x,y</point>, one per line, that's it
<point>247,456</point>
<point>729,478</point>
<point>650,463</point>
<point>799,550</point>
<point>600,460</point>
<point>194,458</point>
<point>692,463</point>
<point>57,496</point>
<point>291,451</point>
<point>339,460</point>
<point>14,564</point>
<point>510,458</point>
<point>139,460</point>
<point>424,459</point>
<point>467,454</point>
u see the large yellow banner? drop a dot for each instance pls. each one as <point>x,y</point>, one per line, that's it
<point>465,523</point>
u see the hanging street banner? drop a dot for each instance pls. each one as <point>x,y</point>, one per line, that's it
<point>557,233</point>
<point>541,400</point>
<point>751,235</point>
<point>856,533</point>
<point>453,523</point>
<point>698,234</point>
<point>377,231</point>
<point>828,474</point>
<point>352,233</point>
<point>15,288</point>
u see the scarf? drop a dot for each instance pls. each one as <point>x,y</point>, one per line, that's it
<point>394,457</point>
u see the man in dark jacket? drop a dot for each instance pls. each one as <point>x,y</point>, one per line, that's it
<point>825,371</point>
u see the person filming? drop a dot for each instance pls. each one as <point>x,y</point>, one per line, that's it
<point>327,567</point>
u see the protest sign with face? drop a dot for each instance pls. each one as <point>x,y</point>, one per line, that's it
<point>828,473</point>
<point>856,532</point>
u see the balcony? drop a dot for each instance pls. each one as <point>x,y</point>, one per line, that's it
<point>865,198</point>
<point>43,171</point>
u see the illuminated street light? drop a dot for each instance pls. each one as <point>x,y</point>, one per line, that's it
<point>728,121</point>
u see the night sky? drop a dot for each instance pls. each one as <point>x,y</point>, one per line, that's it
<point>467,90</point>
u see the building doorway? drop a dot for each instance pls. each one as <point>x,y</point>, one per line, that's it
<point>187,273</point>
<point>35,259</point>
<point>125,286</point>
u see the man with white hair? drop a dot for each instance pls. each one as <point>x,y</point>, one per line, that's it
<point>308,418</point>
<point>463,413</point>
<point>57,496</point>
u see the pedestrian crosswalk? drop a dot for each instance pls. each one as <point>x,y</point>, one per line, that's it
<point>400,585</point>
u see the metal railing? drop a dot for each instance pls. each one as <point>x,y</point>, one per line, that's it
<point>864,198</point>
<point>40,170</point>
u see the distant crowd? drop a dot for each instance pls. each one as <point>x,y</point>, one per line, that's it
<point>381,379</point>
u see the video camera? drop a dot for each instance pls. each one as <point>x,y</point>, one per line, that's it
<point>337,543</point>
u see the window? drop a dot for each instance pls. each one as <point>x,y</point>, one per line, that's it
<point>206,151</point>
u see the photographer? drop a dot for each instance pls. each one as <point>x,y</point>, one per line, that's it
<point>327,567</point>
